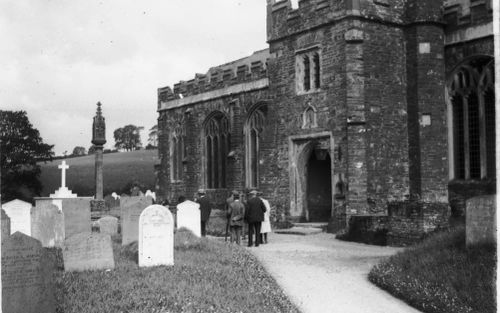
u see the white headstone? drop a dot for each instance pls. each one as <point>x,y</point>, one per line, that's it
<point>151,194</point>
<point>115,196</point>
<point>63,191</point>
<point>19,213</point>
<point>188,216</point>
<point>156,236</point>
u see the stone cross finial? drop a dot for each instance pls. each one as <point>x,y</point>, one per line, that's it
<point>63,167</point>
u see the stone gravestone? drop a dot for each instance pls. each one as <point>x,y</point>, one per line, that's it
<point>188,216</point>
<point>86,251</point>
<point>480,220</point>
<point>108,225</point>
<point>27,281</point>
<point>47,224</point>
<point>111,202</point>
<point>19,213</point>
<point>131,209</point>
<point>156,237</point>
<point>5,225</point>
<point>76,216</point>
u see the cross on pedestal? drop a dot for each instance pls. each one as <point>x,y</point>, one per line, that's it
<point>63,167</point>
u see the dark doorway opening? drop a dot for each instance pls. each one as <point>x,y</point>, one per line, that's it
<point>319,186</point>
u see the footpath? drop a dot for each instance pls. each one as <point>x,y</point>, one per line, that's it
<point>322,274</point>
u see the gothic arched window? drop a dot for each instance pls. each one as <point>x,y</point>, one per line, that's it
<point>177,153</point>
<point>217,139</point>
<point>253,129</point>
<point>472,98</point>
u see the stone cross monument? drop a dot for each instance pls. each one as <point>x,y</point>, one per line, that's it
<point>98,139</point>
<point>63,191</point>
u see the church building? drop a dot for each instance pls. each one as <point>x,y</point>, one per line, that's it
<point>372,112</point>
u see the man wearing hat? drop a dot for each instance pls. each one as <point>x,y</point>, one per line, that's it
<point>205,209</point>
<point>230,200</point>
<point>254,216</point>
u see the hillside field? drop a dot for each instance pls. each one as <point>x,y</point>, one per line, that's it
<point>119,169</point>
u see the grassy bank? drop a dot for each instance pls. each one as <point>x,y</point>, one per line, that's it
<point>440,275</point>
<point>119,169</point>
<point>208,276</point>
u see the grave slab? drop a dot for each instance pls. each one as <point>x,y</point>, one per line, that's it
<point>27,276</point>
<point>188,216</point>
<point>86,251</point>
<point>108,225</point>
<point>47,224</point>
<point>156,237</point>
<point>19,213</point>
<point>131,209</point>
<point>76,216</point>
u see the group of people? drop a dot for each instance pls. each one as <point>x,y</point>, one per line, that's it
<point>254,212</point>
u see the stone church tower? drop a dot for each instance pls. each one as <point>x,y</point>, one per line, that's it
<point>361,112</point>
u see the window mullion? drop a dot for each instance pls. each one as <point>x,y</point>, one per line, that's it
<point>466,138</point>
<point>482,134</point>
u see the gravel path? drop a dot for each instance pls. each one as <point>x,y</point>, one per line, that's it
<point>322,274</point>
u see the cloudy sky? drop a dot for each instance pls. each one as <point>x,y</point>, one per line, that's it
<point>59,58</point>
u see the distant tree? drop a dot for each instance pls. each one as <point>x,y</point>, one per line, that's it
<point>128,137</point>
<point>91,150</point>
<point>153,137</point>
<point>79,151</point>
<point>21,148</point>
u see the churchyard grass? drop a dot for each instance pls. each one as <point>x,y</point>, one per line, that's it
<point>208,276</point>
<point>440,275</point>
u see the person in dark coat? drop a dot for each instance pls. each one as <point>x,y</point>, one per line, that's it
<point>236,215</point>
<point>205,210</point>
<point>254,215</point>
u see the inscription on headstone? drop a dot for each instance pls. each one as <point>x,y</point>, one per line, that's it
<point>131,209</point>
<point>47,224</point>
<point>76,216</point>
<point>188,216</point>
<point>19,213</point>
<point>108,225</point>
<point>85,251</point>
<point>27,282</point>
<point>156,237</point>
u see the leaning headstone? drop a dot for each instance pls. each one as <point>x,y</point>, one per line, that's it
<point>5,225</point>
<point>131,209</point>
<point>480,220</point>
<point>188,216</point>
<point>19,213</point>
<point>108,225</point>
<point>47,225</point>
<point>156,237</point>
<point>86,251</point>
<point>27,276</point>
<point>76,216</point>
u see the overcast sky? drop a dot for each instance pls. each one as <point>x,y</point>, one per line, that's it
<point>59,58</point>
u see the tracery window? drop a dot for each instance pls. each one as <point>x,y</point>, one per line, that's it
<point>253,130</point>
<point>308,71</point>
<point>217,142</point>
<point>472,98</point>
<point>177,153</point>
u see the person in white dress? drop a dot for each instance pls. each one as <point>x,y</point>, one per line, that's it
<point>266,224</point>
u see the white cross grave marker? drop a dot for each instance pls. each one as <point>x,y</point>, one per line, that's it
<point>63,191</point>
<point>63,167</point>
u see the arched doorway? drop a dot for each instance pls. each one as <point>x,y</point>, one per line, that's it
<point>319,186</point>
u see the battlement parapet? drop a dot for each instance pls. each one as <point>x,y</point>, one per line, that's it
<point>460,14</point>
<point>251,68</point>
<point>285,20</point>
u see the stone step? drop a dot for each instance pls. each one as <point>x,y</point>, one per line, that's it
<point>295,230</point>
<point>312,225</point>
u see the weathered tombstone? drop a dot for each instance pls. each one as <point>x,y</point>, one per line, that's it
<point>131,209</point>
<point>108,225</point>
<point>27,282</point>
<point>188,216</point>
<point>47,225</point>
<point>111,202</point>
<point>156,237</point>
<point>86,251</point>
<point>5,225</point>
<point>76,216</point>
<point>480,220</point>
<point>19,213</point>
